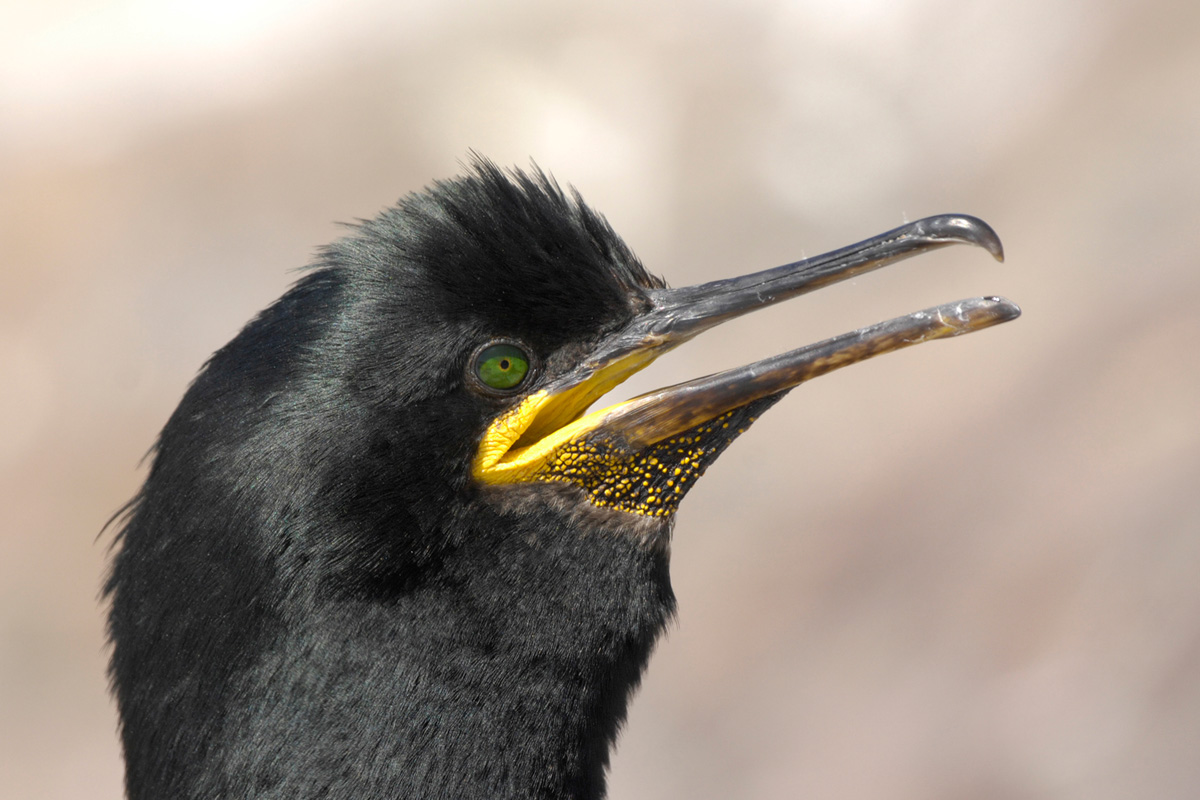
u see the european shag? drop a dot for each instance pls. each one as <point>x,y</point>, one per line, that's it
<point>385,551</point>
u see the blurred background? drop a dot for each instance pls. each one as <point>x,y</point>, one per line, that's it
<point>968,570</point>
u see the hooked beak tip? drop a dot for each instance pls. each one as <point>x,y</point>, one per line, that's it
<point>962,228</point>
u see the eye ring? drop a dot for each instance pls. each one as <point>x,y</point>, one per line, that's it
<point>501,367</point>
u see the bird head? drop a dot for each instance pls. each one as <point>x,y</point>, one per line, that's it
<point>494,310</point>
<point>384,518</point>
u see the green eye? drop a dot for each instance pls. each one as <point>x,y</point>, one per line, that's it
<point>502,366</point>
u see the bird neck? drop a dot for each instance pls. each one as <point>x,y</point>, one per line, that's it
<point>508,676</point>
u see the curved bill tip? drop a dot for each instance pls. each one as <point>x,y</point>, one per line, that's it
<point>962,228</point>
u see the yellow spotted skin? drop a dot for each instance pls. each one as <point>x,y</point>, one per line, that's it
<point>652,481</point>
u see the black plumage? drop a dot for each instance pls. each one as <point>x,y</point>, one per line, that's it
<point>316,595</point>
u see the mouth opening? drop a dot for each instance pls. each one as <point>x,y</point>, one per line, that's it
<point>521,445</point>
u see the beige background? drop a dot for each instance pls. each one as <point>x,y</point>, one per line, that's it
<point>970,570</point>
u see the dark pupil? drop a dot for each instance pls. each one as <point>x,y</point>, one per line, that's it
<point>504,364</point>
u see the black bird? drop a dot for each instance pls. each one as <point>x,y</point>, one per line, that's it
<point>384,552</point>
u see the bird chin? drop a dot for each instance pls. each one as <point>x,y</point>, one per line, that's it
<point>572,505</point>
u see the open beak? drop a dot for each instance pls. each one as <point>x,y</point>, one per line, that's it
<point>682,428</point>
